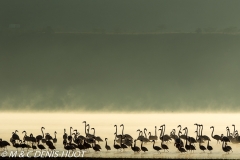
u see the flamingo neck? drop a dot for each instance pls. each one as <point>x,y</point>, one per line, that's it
<point>42,132</point>
<point>212,131</point>
<point>122,129</point>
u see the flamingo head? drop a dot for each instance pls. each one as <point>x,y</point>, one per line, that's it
<point>179,125</point>
<point>55,132</point>
<point>92,128</point>
<point>115,125</point>
<point>233,124</point>
<point>84,122</point>
<point>145,129</point>
<point>121,125</point>
<point>23,131</point>
<point>43,128</point>
<point>105,139</point>
<point>138,130</point>
<point>211,127</point>
<point>16,131</point>
<point>196,124</point>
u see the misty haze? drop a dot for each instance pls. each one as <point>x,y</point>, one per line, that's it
<point>139,63</point>
<point>49,61</point>
<point>92,72</point>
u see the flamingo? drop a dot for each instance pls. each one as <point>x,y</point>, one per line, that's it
<point>156,148</point>
<point>178,142</point>
<point>48,136</point>
<point>164,146</point>
<point>225,148</point>
<point>65,135</point>
<point>70,135</point>
<point>55,139</point>
<point>172,134</point>
<point>33,147</point>
<point>88,134</point>
<point>118,136</point>
<point>144,149</point>
<point>229,134</point>
<point>86,145</point>
<point>181,136</point>
<point>107,146</point>
<point>209,147</point>
<point>186,145</point>
<point>123,146</point>
<point>203,148</point>
<point>116,146</point>
<point>15,144</point>
<point>224,138</point>
<point>26,138</point>
<point>95,148</point>
<point>3,144</point>
<point>165,136</point>
<point>40,137</point>
<point>216,137</point>
<point>140,136</point>
<point>125,135</point>
<point>152,137</point>
<point>181,149</point>
<point>22,145</point>
<point>99,139</point>
<point>204,136</point>
<point>85,127</point>
<point>135,149</point>
<point>32,138</point>
<point>40,146</point>
<point>190,139</point>
<point>15,136</point>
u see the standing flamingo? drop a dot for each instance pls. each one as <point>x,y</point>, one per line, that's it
<point>107,146</point>
<point>216,137</point>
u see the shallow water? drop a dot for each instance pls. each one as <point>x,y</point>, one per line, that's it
<point>104,126</point>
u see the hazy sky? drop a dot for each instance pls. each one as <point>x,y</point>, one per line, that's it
<point>134,15</point>
<point>172,72</point>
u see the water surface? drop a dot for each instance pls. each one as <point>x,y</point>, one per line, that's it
<point>104,126</point>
